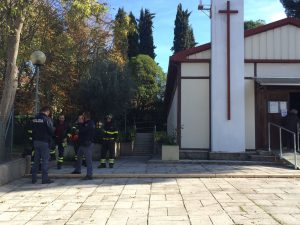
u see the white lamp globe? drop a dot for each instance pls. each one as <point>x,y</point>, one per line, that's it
<point>38,58</point>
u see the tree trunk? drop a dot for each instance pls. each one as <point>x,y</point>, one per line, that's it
<point>11,80</point>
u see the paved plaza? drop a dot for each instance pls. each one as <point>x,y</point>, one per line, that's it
<point>144,167</point>
<point>153,201</point>
<point>192,193</point>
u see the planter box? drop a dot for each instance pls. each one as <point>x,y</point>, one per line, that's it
<point>126,148</point>
<point>69,152</point>
<point>170,152</point>
<point>14,170</point>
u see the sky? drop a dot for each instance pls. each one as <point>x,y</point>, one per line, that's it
<point>165,13</point>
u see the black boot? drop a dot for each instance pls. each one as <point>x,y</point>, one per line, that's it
<point>102,165</point>
<point>84,163</point>
<point>58,166</point>
<point>111,165</point>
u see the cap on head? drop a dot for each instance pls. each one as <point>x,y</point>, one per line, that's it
<point>294,111</point>
<point>109,116</point>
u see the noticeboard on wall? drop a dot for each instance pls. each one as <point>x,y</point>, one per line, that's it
<point>277,107</point>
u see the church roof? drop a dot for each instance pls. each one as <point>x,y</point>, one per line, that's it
<point>183,56</point>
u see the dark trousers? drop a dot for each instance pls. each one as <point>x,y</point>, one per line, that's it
<point>86,151</point>
<point>41,154</point>
<point>108,146</point>
<point>61,150</point>
<point>76,147</point>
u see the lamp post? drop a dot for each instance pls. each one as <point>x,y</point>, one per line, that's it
<point>38,58</point>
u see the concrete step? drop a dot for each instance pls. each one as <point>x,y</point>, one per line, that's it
<point>143,147</point>
<point>143,143</point>
<point>263,158</point>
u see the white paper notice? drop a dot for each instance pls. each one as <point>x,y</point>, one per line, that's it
<point>273,107</point>
<point>283,108</point>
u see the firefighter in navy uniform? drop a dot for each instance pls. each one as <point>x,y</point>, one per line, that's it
<point>110,135</point>
<point>61,135</point>
<point>29,147</point>
<point>75,138</point>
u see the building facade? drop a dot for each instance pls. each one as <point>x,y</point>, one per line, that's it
<point>271,85</point>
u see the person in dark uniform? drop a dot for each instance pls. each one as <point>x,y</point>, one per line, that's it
<point>291,122</point>
<point>42,133</point>
<point>61,135</point>
<point>75,138</point>
<point>109,138</point>
<point>86,137</point>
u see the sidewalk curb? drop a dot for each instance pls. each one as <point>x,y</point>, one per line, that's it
<point>155,175</point>
<point>217,162</point>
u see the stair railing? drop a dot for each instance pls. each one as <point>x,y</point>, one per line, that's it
<point>280,139</point>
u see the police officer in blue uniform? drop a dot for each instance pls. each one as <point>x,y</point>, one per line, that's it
<point>42,132</point>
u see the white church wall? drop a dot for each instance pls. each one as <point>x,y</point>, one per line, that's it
<point>277,70</point>
<point>195,69</point>
<point>249,69</point>
<point>250,113</point>
<point>195,114</point>
<point>279,43</point>
<point>172,116</point>
<point>201,55</point>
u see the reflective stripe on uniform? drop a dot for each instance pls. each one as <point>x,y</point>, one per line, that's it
<point>108,139</point>
<point>111,161</point>
<point>60,159</point>
<point>111,132</point>
<point>52,152</point>
<point>29,131</point>
<point>102,160</point>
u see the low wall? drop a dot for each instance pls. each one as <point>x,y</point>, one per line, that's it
<point>13,170</point>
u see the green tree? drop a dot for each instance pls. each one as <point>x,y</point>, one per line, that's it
<point>146,34</point>
<point>292,8</point>
<point>149,80</point>
<point>251,24</point>
<point>183,32</point>
<point>133,37</point>
<point>120,30</point>
<point>108,89</point>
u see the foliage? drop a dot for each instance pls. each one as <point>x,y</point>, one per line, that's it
<point>129,136</point>
<point>251,24</point>
<point>183,32</point>
<point>292,8</point>
<point>108,89</point>
<point>120,30</point>
<point>72,34</point>
<point>163,138</point>
<point>133,37</point>
<point>149,80</point>
<point>146,34</point>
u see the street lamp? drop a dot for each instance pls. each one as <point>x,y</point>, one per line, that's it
<point>38,58</point>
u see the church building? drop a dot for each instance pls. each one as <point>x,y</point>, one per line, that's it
<point>221,95</point>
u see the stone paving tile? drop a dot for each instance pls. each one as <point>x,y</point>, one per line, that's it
<point>142,165</point>
<point>211,201</point>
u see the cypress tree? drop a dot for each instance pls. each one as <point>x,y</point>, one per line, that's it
<point>133,37</point>
<point>292,8</point>
<point>191,38</point>
<point>183,32</point>
<point>146,34</point>
<point>120,30</point>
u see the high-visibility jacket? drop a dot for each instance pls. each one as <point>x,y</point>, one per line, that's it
<point>110,132</point>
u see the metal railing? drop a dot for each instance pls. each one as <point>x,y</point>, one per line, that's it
<point>295,140</point>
